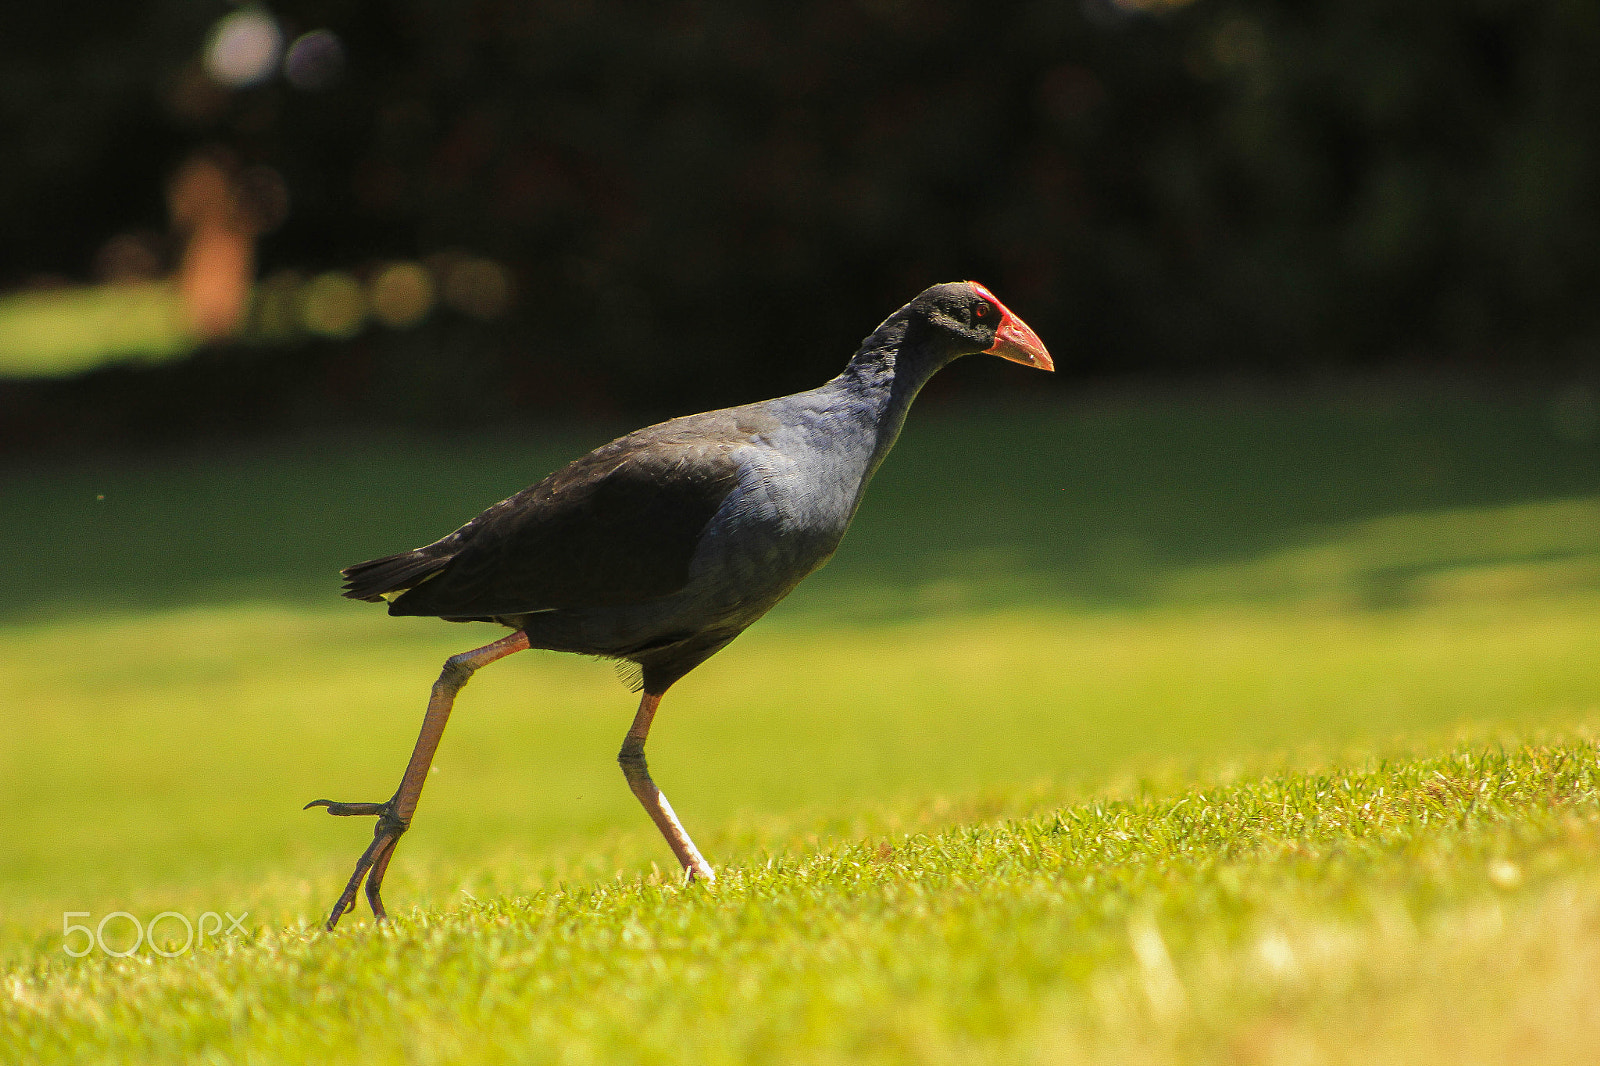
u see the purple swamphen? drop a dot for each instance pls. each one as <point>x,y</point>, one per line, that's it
<point>662,546</point>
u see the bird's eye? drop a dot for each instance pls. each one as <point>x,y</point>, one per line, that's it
<point>982,310</point>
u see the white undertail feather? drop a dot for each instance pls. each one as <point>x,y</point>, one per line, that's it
<point>390,597</point>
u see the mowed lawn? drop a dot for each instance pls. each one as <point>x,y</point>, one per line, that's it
<point>1249,730</point>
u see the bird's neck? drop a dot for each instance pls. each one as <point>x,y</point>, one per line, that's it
<point>877,386</point>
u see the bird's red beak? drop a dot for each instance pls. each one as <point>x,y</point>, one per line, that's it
<point>1014,340</point>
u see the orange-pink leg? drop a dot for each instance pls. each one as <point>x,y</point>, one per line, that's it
<point>655,803</point>
<point>394,817</point>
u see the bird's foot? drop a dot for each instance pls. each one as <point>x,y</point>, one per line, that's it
<point>374,862</point>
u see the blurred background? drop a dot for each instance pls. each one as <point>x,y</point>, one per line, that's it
<point>226,219</point>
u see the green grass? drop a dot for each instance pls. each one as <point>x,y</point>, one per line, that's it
<point>1439,909</point>
<point>1252,732</point>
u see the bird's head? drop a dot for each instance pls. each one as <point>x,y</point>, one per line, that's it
<point>964,318</point>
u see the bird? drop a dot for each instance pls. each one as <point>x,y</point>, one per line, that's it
<point>658,549</point>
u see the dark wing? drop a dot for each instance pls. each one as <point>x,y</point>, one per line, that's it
<point>618,526</point>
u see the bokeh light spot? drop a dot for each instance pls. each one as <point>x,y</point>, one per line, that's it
<point>478,287</point>
<point>333,305</point>
<point>315,60</point>
<point>243,48</point>
<point>275,316</point>
<point>402,295</point>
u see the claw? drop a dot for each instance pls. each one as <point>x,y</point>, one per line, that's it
<point>345,810</point>
<point>374,862</point>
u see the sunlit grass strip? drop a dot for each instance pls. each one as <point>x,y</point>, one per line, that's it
<point>62,331</point>
<point>66,330</point>
<point>1183,927</point>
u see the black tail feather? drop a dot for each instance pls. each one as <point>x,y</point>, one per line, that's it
<point>393,573</point>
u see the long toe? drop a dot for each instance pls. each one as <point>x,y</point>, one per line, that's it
<point>346,810</point>
<point>380,866</point>
<point>371,867</point>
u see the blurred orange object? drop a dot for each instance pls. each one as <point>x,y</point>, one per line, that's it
<point>219,210</point>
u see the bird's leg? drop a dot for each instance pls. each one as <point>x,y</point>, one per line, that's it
<point>394,817</point>
<point>655,804</point>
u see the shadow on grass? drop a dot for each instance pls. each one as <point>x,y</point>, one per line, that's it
<point>1108,504</point>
